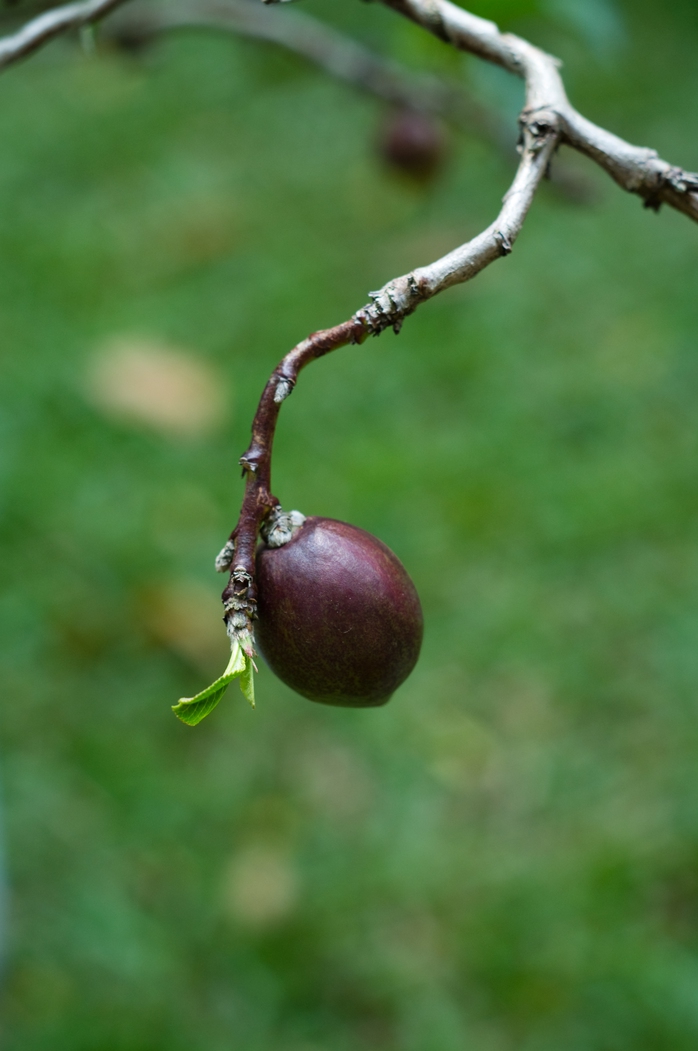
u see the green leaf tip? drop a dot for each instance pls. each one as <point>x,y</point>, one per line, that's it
<point>247,681</point>
<point>191,710</point>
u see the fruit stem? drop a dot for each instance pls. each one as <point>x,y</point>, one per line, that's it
<point>238,555</point>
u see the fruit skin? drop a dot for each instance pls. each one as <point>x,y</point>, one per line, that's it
<point>339,618</point>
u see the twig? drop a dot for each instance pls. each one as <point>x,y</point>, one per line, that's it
<point>327,48</point>
<point>50,24</point>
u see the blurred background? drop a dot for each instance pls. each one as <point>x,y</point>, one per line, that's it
<point>505,858</point>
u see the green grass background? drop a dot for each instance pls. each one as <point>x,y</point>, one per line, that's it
<point>505,858</point>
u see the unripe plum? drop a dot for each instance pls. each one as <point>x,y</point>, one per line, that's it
<point>339,620</point>
<point>413,143</point>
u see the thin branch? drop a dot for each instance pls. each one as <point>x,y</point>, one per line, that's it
<point>327,48</point>
<point>50,24</point>
<point>388,308</point>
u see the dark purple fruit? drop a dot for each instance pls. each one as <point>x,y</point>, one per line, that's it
<point>413,143</point>
<point>339,618</point>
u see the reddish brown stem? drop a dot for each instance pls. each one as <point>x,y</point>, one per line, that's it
<point>240,597</point>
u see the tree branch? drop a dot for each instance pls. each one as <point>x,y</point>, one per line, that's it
<point>327,48</point>
<point>50,24</point>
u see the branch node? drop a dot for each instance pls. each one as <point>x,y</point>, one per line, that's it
<point>681,181</point>
<point>247,464</point>
<point>392,304</point>
<point>283,388</point>
<point>540,124</point>
<point>281,526</point>
<point>224,558</point>
<point>505,245</point>
<point>241,576</point>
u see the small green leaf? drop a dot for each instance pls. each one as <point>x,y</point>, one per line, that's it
<point>247,681</point>
<point>191,710</point>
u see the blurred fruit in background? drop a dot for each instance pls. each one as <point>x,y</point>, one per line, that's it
<point>413,144</point>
